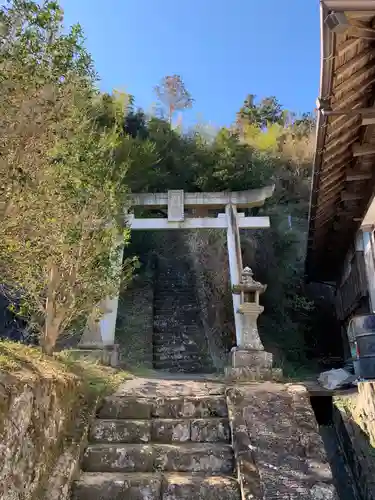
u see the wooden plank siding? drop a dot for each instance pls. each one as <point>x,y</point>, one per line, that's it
<point>353,290</point>
<point>343,171</point>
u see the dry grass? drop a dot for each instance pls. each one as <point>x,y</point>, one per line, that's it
<point>26,364</point>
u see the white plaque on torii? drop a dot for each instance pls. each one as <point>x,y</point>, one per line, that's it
<point>176,205</point>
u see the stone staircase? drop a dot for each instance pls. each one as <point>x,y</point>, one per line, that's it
<point>179,344</point>
<point>160,448</point>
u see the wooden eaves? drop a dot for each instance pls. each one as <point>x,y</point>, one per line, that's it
<point>343,171</point>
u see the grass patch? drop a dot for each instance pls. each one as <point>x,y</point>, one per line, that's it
<point>98,379</point>
<point>25,362</point>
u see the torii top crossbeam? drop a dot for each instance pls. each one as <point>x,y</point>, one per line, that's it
<point>242,199</point>
<point>177,200</point>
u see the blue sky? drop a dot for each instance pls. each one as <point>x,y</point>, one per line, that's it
<point>223,50</point>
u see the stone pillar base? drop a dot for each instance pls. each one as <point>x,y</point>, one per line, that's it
<point>241,357</point>
<point>253,374</point>
<point>251,365</point>
<point>106,355</point>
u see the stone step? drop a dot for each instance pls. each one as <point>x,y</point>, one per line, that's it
<point>120,431</point>
<point>185,334</point>
<point>160,430</point>
<point>142,408</point>
<point>176,348</point>
<point>186,364</point>
<point>182,365</point>
<point>211,458</point>
<point>174,322</point>
<point>202,407</point>
<point>177,486</point>
<point>176,357</point>
<point>169,301</point>
<point>154,486</point>
<point>117,486</point>
<point>169,288</point>
<point>173,344</point>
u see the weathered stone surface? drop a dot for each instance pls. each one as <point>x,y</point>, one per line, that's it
<point>365,406</point>
<point>117,486</point>
<point>184,487</point>
<point>120,431</point>
<point>210,430</point>
<point>359,450</point>
<point>251,358</point>
<point>250,482</point>
<point>106,355</point>
<point>252,373</point>
<point>43,426</point>
<point>194,457</point>
<point>149,388</point>
<point>169,430</point>
<point>190,407</point>
<point>272,446</point>
<point>121,457</point>
<point>118,407</point>
<point>323,491</point>
<point>306,424</point>
<point>319,470</point>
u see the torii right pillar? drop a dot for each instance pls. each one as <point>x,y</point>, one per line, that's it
<point>249,360</point>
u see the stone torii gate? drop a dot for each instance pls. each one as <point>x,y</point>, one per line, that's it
<point>177,202</point>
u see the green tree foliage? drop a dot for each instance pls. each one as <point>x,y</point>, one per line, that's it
<point>267,112</point>
<point>62,172</point>
<point>70,155</point>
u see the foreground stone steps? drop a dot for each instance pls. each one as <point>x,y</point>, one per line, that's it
<point>153,486</point>
<point>159,448</point>
<point>161,430</point>
<point>210,458</point>
<point>174,407</point>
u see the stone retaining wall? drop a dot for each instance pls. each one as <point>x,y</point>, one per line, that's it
<point>354,420</point>
<point>43,422</point>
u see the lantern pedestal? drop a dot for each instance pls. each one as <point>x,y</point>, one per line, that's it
<point>249,335</point>
<point>250,358</point>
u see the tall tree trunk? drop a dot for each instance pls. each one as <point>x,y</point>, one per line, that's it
<point>53,320</point>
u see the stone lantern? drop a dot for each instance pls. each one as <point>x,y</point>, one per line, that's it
<point>249,359</point>
<point>250,309</point>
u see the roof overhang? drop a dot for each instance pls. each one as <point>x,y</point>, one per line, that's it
<point>343,173</point>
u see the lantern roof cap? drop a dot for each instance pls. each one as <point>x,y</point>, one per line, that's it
<point>248,283</point>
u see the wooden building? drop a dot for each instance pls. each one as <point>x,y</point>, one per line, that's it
<point>341,248</point>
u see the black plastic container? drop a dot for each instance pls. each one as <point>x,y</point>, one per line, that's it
<point>364,332</point>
